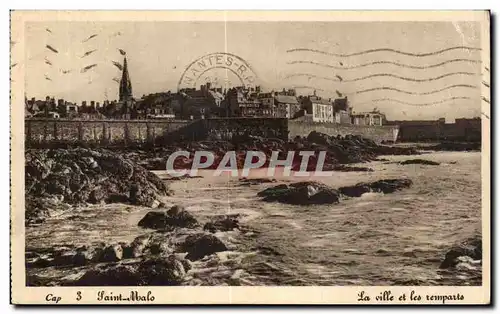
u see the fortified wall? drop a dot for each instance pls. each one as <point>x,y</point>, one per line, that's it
<point>467,130</point>
<point>137,132</point>
<point>375,133</point>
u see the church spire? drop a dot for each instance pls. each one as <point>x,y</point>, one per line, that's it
<point>125,84</point>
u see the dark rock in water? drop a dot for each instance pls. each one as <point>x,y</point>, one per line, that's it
<point>119,275</point>
<point>419,162</point>
<point>138,196</point>
<point>381,186</point>
<point>255,181</point>
<point>472,248</point>
<point>222,223</point>
<point>344,168</point>
<point>187,264</point>
<point>40,262</point>
<point>154,220</point>
<point>80,175</point>
<point>97,196</point>
<point>457,146</point>
<point>116,198</point>
<point>175,210</point>
<point>158,245</point>
<point>112,253</point>
<point>162,271</point>
<point>200,245</point>
<point>158,271</point>
<point>137,247</point>
<point>175,217</point>
<point>301,193</point>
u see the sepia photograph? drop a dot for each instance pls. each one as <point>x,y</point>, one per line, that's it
<point>250,149</point>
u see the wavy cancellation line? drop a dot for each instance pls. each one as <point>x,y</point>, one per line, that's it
<point>326,65</point>
<point>415,104</point>
<point>359,53</point>
<point>339,79</point>
<point>393,89</point>
<point>415,93</point>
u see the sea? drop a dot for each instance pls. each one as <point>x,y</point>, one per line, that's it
<point>376,239</point>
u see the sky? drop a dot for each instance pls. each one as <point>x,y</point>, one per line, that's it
<point>159,52</point>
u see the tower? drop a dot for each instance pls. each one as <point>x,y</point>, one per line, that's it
<point>125,84</point>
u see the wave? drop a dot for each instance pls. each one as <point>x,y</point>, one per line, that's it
<point>359,53</point>
<point>414,104</point>
<point>380,75</point>
<point>414,93</point>
<point>384,62</point>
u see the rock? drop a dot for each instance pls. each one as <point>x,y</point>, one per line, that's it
<point>175,210</point>
<point>419,162</point>
<point>137,247</point>
<point>112,253</point>
<point>154,204</point>
<point>162,205</point>
<point>382,186</point>
<point>80,175</point>
<point>187,264</point>
<point>222,223</point>
<point>85,255</point>
<point>116,198</point>
<point>162,271</point>
<point>457,146</point>
<point>471,247</point>
<point>200,245</point>
<point>344,168</point>
<point>255,181</point>
<point>40,262</point>
<point>158,245</point>
<point>174,217</point>
<point>117,275</point>
<point>157,271</point>
<point>96,196</point>
<point>301,193</point>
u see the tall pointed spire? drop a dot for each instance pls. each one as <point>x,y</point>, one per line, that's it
<point>125,84</point>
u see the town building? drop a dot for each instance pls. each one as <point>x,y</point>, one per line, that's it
<point>374,117</point>
<point>319,109</point>
<point>243,102</point>
<point>342,111</point>
<point>203,103</point>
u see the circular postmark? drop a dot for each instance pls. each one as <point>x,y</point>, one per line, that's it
<point>216,68</point>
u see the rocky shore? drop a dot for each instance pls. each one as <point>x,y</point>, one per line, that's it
<point>56,179</point>
<point>173,239</point>
<point>340,151</point>
<point>176,247</point>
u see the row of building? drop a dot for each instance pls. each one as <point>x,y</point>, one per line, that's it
<point>206,102</point>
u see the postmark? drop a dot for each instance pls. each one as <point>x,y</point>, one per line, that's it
<point>219,67</point>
